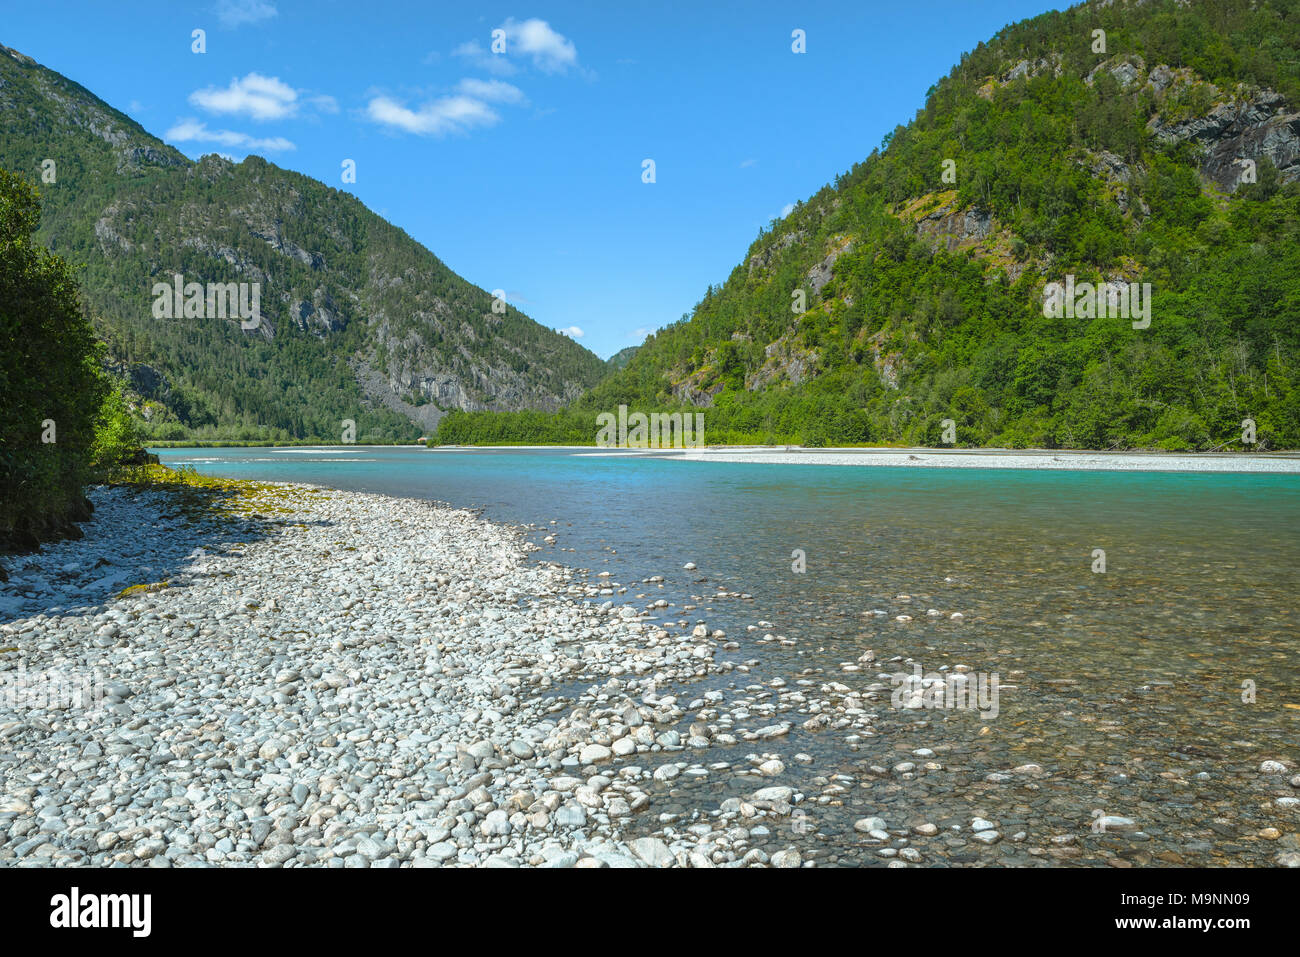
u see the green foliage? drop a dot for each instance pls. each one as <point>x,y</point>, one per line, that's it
<point>116,436</point>
<point>515,428</point>
<point>51,388</point>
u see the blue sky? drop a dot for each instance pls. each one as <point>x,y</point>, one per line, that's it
<point>522,170</point>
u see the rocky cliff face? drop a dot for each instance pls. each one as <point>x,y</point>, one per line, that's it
<point>1256,126</point>
<point>1242,124</point>
<point>953,227</point>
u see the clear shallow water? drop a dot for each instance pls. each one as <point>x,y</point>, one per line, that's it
<point>1123,686</point>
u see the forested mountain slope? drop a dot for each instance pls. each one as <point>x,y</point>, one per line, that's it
<point>1050,151</point>
<point>358,321</point>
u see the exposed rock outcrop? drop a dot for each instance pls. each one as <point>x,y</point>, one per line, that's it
<point>1022,69</point>
<point>1128,71</point>
<point>821,273</point>
<point>787,361</point>
<point>889,365</point>
<point>1253,128</point>
<point>938,218</point>
<point>320,315</point>
<point>764,257</point>
<point>697,388</point>
<point>1118,176</point>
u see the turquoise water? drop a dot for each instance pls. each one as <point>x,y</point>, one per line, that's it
<point>1123,685</point>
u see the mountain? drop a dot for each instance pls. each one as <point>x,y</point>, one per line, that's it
<point>621,358</point>
<point>357,320</point>
<point>1051,151</point>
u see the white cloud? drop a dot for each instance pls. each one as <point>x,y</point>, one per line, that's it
<point>550,50</point>
<point>470,104</point>
<point>573,332</point>
<point>447,114</point>
<point>194,131</point>
<point>260,97</point>
<point>493,91</point>
<point>786,210</point>
<point>745,164</point>
<point>459,112</point>
<point>234,13</point>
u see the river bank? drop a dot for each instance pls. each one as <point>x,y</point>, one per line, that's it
<point>926,457</point>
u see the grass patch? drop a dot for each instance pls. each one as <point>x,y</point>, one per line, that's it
<point>142,589</point>
<point>206,496</point>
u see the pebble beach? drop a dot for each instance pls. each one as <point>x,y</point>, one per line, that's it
<point>357,683</point>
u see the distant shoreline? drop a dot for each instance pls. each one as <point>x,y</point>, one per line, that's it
<point>1281,463</point>
<point>1287,463</point>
